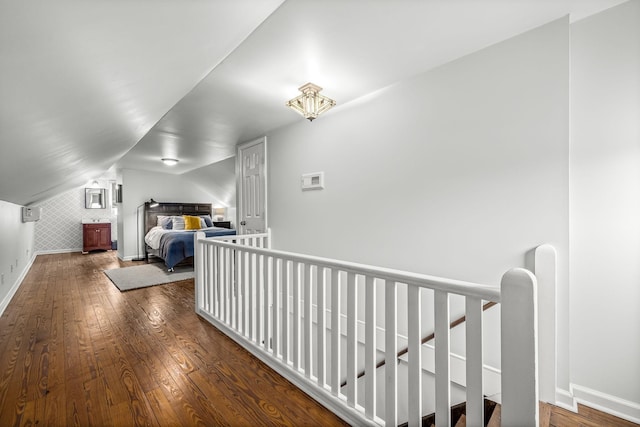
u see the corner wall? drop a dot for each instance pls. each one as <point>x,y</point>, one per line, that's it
<point>605,209</point>
<point>16,250</point>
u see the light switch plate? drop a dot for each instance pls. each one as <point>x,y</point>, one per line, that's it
<point>312,181</point>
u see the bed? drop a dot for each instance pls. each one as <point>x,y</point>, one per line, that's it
<point>174,244</point>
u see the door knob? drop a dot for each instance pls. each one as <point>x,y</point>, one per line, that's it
<point>243,222</point>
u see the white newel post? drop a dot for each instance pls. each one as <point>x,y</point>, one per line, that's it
<point>198,266</point>
<point>546,275</point>
<point>519,338</point>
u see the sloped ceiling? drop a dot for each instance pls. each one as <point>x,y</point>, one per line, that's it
<point>86,86</point>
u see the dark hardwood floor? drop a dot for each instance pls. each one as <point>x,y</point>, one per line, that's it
<point>75,351</point>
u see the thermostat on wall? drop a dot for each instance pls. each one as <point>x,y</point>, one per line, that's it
<point>312,181</point>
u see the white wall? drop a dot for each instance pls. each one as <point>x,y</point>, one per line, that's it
<point>458,172</point>
<point>16,250</point>
<point>605,206</point>
<point>206,185</point>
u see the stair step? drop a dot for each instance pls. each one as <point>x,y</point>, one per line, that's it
<point>462,421</point>
<point>495,417</point>
<point>459,418</point>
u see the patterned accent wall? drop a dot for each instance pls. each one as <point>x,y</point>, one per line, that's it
<point>60,226</point>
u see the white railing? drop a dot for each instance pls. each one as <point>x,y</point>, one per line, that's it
<point>302,315</point>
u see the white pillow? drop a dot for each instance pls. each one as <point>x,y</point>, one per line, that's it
<point>178,222</point>
<point>164,221</point>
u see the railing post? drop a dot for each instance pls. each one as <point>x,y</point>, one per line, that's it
<point>199,265</point>
<point>546,275</point>
<point>519,339</point>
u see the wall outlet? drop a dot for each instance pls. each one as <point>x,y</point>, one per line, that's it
<point>2,279</point>
<point>11,268</point>
<point>16,262</point>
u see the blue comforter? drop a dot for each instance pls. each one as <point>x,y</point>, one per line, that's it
<point>175,247</point>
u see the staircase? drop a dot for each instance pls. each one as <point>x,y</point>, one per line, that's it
<point>458,417</point>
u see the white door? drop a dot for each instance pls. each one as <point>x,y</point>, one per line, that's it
<point>252,195</point>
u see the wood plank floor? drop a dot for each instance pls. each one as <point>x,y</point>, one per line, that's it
<point>75,351</point>
<point>554,416</point>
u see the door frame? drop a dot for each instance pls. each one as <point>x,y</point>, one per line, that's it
<point>239,186</point>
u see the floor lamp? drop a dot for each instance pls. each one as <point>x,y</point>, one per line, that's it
<point>152,204</point>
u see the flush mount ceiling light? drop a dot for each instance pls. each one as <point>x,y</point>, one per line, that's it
<point>170,162</point>
<point>310,104</point>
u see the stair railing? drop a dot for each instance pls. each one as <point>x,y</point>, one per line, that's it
<point>264,299</point>
<point>460,320</point>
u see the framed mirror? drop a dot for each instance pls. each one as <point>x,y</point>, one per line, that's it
<point>95,198</point>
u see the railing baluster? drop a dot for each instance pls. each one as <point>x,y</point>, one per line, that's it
<point>230,286</point>
<point>352,339</point>
<point>321,325</point>
<point>265,300</point>
<point>199,255</point>
<point>295,339</point>
<point>236,281</point>
<point>221,284</point>
<point>371,386</point>
<point>210,281</point>
<point>286,281</point>
<point>474,361</point>
<point>443,373</point>
<point>308,326</point>
<point>251,276</point>
<point>391,350</point>
<point>245,289</point>
<point>215,296</point>
<point>335,331</point>
<point>414,372</point>
<point>259,286</point>
<point>275,304</point>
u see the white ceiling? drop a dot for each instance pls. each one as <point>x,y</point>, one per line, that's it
<point>87,85</point>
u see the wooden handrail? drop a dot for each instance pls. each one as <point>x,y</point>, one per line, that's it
<point>424,340</point>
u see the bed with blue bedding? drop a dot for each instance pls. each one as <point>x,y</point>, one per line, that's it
<point>170,229</point>
<point>178,246</point>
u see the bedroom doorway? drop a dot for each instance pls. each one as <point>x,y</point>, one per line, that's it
<point>251,173</point>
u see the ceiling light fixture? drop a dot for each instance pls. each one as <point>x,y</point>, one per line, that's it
<point>170,162</point>
<point>310,104</point>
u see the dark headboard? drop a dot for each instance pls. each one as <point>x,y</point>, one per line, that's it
<point>151,214</point>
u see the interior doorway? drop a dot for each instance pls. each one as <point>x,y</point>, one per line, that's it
<point>251,173</point>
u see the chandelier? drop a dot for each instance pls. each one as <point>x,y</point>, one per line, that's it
<point>310,104</point>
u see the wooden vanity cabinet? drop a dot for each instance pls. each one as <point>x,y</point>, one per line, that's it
<point>96,236</point>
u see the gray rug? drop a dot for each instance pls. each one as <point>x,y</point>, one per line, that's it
<point>142,276</point>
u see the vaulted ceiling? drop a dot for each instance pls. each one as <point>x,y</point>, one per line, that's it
<point>88,86</point>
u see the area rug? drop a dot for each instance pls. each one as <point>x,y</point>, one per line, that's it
<point>142,276</point>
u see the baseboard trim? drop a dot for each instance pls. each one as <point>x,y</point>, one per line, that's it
<point>603,402</point>
<point>58,251</point>
<point>613,405</point>
<point>16,285</point>
<point>564,399</point>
